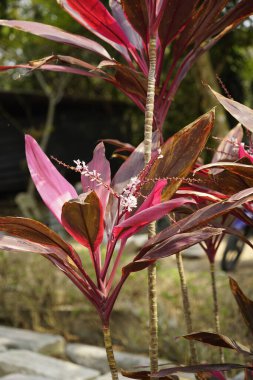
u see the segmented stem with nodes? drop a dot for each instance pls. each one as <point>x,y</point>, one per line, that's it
<point>148,128</point>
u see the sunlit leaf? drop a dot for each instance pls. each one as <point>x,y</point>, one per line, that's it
<point>83,219</point>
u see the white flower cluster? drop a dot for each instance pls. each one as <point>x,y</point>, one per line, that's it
<point>128,200</point>
<point>84,170</point>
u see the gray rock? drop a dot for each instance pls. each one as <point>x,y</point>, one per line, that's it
<point>31,363</point>
<point>239,376</point>
<point>95,357</point>
<point>17,376</point>
<point>3,348</point>
<point>48,344</point>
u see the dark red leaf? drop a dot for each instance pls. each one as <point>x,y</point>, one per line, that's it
<point>181,151</point>
<point>218,340</point>
<point>180,242</point>
<point>137,15</point>
<point>136,266</point>
<point>120,144</point>
<point>198,368</point>
<point>175,16</point>
<point>36,232</point>
<point>199,219</point>
<point>244,303</point>
<point>83,219</point>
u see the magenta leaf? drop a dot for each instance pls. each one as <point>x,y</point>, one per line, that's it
<point>95,17</point>
<point>54,189</point>
<point>147,214</point>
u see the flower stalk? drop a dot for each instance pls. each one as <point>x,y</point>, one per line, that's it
<point>216,306</point>
<point>148,127</point>
<point>109,352</point>
<point>186,306</point>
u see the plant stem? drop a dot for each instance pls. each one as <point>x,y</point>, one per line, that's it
<point>216,306</point>
<point>109,352</point>
<point>149,118</point>
<point>186,306</point>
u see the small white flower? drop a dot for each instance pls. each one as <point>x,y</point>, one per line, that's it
<point>79,165</point>
<point>129,202</point>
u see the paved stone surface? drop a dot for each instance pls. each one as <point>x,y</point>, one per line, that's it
<point>95,357</point>
<point>31,363</point>
<point>23,377</point>
<point>29,340</point>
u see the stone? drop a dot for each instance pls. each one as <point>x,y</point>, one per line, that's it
<point>239,376</point>
<point>2,348</point>
<point>17,376</point>
<point>95,357</point>
<point>31,363</point>
<point>47,344</point>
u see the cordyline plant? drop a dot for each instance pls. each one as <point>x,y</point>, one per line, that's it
<point>141,34</point>
<point>246,309</point>
<point>158,246</point>
<point>231,170</point>
<point>117,209</point>
<point>179,30</point>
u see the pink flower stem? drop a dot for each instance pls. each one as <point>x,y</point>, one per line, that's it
<point>111,300</point>
<point>109,253</point>
<point>115,265</point>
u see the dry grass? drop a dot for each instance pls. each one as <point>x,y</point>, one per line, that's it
<point>34,294</point>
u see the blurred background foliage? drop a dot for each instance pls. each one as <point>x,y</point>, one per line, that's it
<point>231,60</point>
<point>68,114</point>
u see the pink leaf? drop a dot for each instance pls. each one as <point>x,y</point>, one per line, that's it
<point>131,34</point>
<point>226,149</point>
<point>239,111</point>
<point>55,34</point>
<point>102,166</point>
<point>144,217</point>
<point>54,189</point>
<point>243,153</point>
